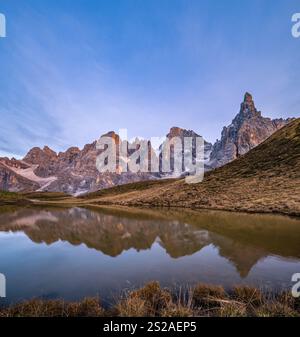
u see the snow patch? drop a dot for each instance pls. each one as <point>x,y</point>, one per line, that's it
<point>80,192</point>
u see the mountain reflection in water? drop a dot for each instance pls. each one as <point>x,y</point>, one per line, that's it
<point>242,239</point>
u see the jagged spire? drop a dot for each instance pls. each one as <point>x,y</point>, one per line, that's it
<point>248,98</point>
<point>248,109</point>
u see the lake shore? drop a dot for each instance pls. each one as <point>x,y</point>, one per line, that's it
<point>154,301</point>
<point>115,201</point>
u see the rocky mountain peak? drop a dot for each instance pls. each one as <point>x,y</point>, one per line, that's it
<point>247,110</point>
<point>182,133</point>
<point>112,135</point>
<point>49,151</point>
<point>37,155</point>
<point>175,132</point>
<point>247,130</point>
<point>248,98</point>
<point>70,155</point>
<point>179,132</point>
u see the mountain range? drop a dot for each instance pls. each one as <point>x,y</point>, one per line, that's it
<point>74,171</point>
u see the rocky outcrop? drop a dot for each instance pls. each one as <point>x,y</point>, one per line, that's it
<point>182,133</point>
<point>247,130</point>
<point>37,156</point>
<point>45,160</point>
<point>176,132</point>
<point>10,181</point>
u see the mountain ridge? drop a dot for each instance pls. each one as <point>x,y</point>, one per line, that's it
<point>74,171</point>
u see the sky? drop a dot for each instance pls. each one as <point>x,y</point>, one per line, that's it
<point>71,71</point>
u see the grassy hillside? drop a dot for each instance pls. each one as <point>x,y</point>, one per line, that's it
<point>29,198</point>
<point>266,179</point>
<point>127,188</point>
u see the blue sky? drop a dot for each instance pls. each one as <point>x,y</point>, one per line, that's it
<point>73,70</point>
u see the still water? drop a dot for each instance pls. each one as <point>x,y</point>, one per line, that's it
<point>73,253</point>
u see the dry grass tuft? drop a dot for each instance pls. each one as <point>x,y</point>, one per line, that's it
<point>208,296</point>
<point>153,296</point>
<point>89,307</point>
<point>232,309</point>
<point>177,310</point>
<point>132,307</point>
<point>248,295</point>
<point>276,309</point>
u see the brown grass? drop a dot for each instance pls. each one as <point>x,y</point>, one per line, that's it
<point>154,301</point>
<point>89,307</point>
<point>208,296</point>
<point>11,198</point>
